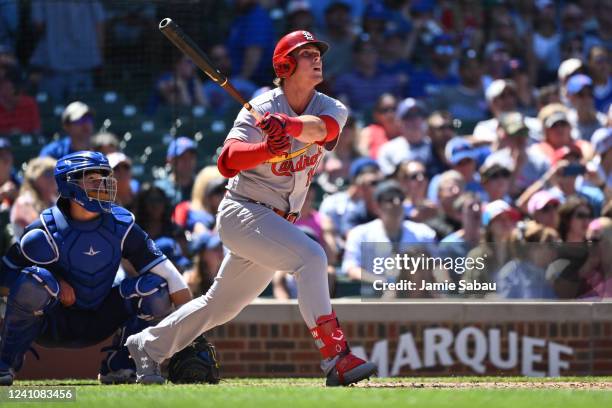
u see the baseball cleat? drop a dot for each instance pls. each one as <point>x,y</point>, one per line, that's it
<point>122,376</point>
<point>147,369</point>
<point>349,369</point>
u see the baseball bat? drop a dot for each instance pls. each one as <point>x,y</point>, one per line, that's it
<point>185,43</point>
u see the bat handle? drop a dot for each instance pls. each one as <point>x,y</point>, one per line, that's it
<point>252,111</point>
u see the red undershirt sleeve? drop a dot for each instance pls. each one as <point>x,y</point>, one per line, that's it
<point>238,155</point>
<point>332,129</point>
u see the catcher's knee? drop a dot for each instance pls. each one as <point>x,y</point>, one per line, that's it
<point>148,296</point>
<point>34,291</point>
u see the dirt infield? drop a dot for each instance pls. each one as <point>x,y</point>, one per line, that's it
<point>599,385</point>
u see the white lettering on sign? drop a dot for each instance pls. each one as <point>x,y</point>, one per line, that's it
<point>472,348</point>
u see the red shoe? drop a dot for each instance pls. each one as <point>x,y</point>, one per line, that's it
<point>350,369</point>
<point>331,342</point>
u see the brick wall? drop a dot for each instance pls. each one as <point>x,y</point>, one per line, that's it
<point>269,339</point>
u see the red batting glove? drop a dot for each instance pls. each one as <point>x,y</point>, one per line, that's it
<point>275,123</point>
<point>278,145</point>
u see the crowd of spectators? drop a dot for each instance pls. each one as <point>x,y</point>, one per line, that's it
<point>476,129</point>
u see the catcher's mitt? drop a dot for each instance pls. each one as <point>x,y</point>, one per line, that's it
<point>196,363</point>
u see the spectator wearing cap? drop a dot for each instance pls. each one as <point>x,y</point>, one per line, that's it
<point>546,41</point>
<point>173,252</point>
<point>321,10</point>
<point>127,187</point>
<point>498,220</point>
<point>599,69</point>
<point>105,143</point>
<point>298,16</point>
<point>524,277</point>
<point>412,143</point>
<point>459,243</point>
<point>376,16</point>
<point>78,124</point>
<point>336,164</point>
<point>182,159</point>
<point>361,86</point>
<point>70,46</point>
<point>495,177</point>
<point>557,131</point>
<point>337,32</point>
<point>496,59</point>
<point>412,177</point>
<point>463,158</point>
<point>428,82</point>
<point>391,228</point>
<point>501,97</point>
<point>543,208</point>
<point>393,55</point>
<point>356,205</point>
<point>602,143</point>
<point>251,41</point>
<point>583,116</point>
<point>511,148</point>
<point>38,192</point>
<point>207,251</point>
<point>451,186</point>
<point>564,179</point>
<point>466,100</point>
<point>198,214</point>
<point>567,69</point>
<point>18,112</point>
<point>383,128</point>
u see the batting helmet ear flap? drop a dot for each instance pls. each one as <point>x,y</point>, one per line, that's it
<point>285,66</point>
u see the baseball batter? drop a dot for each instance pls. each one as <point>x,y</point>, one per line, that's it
<point>271,164</point>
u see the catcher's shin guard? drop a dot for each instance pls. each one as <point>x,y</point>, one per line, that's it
<point>345,367</point>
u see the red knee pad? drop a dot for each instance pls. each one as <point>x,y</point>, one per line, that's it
<point>329,337</point>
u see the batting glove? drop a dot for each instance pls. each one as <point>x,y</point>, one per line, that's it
<point>274,123</point>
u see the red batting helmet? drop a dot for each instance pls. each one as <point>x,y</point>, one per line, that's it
<point>284,64</point>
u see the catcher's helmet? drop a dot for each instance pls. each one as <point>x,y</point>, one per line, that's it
<point>284,64</point>
<point>71,173</point>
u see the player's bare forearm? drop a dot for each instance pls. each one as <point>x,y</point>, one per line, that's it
<point>313,130</point>
<point>181,297</point>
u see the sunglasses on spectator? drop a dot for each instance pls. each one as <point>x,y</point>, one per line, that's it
<point>371,183</point>
<point>416,176</point>
<point>386,109</point>
<point>392,199</point>
<point>443,127</point>
<point>581,215</point>
<point>499,175</point>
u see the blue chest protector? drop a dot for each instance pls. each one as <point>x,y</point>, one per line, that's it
<point>89,253</point>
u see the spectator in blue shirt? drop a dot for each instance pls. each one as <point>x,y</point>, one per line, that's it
<point>251,42</point>
<point>77,120</point>
<point>599,69</point>
<point>428,82</point>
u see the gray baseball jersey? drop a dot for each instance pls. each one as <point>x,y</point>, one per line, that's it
<point>281,182</point>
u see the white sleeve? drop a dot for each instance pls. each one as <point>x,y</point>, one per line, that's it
<point>169,272</point>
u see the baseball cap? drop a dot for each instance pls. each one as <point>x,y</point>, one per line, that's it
<point>513,123</point>
<point>179,146</point>
<point>116,158</point>
<point>493,47</point>
<point>458,148</point>
<point>387,190</point>
<point>496,163</point>
<point>601,140</point>
<point>5,143</point>
<point>540,200</point>
<point>497,87</point>
<point>410,107</point>
<point>173,251</point>
<point>569,68</point>
<point>362,164</point>
<point>497,208</point>
<point>577,83</point>
<point>554,118</point>
<point>376,11</point>
<point>204,240</point>
<point>75,111</point>
<point>295,6</point>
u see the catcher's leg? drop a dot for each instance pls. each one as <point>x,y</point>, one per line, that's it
<point>147,300</point>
